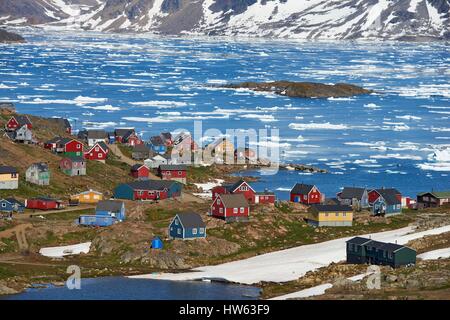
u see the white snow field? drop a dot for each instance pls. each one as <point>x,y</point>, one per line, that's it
<point>289,264</point>
<point>59,252</point>
<point>435,254</point>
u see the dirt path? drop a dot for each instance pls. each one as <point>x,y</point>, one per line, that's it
<point>12,231</point>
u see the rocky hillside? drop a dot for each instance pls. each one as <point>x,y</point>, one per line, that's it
<point>312,19</point>
<point>10,37</point>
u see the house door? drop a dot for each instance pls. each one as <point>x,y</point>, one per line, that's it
<point>297,199</point>
<point>256,199</point>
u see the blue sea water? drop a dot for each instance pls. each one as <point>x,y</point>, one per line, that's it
<point>140,289</point>
<point>156,84</point>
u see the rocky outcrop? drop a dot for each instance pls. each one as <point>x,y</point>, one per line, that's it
<point>302,89</point>
<point>10,37</point>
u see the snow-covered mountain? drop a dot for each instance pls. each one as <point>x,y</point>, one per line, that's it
<point>309,19</point>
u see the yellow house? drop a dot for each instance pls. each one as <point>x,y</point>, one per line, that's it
<point>9,177</point>
<point>330,216</point>
<point>220,147</point>
<point>90,197</point>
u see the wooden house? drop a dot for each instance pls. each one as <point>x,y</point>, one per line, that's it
<point>244,188</point>
<point>157,144</point>
<point>18,121</point>
<point>220,150</point>
<point>52,143</point>
<point>112,208</point>
<point>187,226</point>
<point>88,197</point>
<point>142,152</point>
<point>433,199</point>
<point>11,205</point>
<point>98,152</point>
<point>69,147</point>
<point>131,139</point>
<point>148,190</point>
<point>74,166</point>
<point>375,193</point>
<point>387,203</point>
<point>355,197</point>
<point>9,178</point>
<point>43,203</point>
<point>22,135</point>
<point>175,172</point>
<point>121,132</point>
<point>157,160</point>
<point>231,207</point>
<point>366,251</point>
<point>96,220</point>
<point>306,194</point>
<point>38,173</point>
<point>139,171</point>
<point>96,136</point>
<point>330,215</point>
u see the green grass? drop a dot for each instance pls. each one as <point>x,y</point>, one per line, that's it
<point>159,214</point>
<point>6,272</point>
<point>70,215</point>
<point>200,174</point>
<point>126,150</point>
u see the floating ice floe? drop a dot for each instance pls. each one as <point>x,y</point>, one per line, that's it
<point>439,160</point>
<point>317,126</point>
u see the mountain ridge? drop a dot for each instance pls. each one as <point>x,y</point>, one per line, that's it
<point>309,19</point>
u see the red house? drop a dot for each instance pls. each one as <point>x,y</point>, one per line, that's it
<point>375,194</point>
<point>239,187</point>
<point>139,171</point>
<point>16,122</point>
<point>306,194</point>
<point>70,147</point>
<point>43,204</point>
<point>265,197</point>
<point>98,152</point>
<point>231,207</point>
<point>175,172</point>
<point>131,139</point>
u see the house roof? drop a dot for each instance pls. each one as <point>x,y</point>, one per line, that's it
<point>128,134</point>
<point>331,201</point>
<point>103,145</point>
<point>156,141</point>
<point>236,200</point>
<point>22,120</point>
<point>64,141</point>
<point>76,159</point>
<point>173,167</point>
<point>191,220</point>
<point>151,184</point>
<point>437,194</point>
<point>352,193</point>
<point>109,205</point>
<point>7,169</point>
<point>359,240</point>
<point>301,188</point>
<point>389,195</point>
<point>122,131</point>
<point>14,201</point>
<point>218,142</point>
<point>230,187</point>
<point>166,135</point>
<point>90,191</point>
<point>97,134</point>
<point>331,207</point>
<point>41,166</point>
<point>137,166</point>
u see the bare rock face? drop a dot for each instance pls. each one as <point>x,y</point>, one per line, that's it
<point>6,290</point>
<point>303,89</point>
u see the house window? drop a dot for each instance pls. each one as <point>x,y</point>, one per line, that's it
<point>244,188</point>
<point>96,149</point>
<point>3,205</point>
<point>344,214</point>
<point>242,210</point>
<point>218,201</point>
<point>194,231</point>
<point>201,230</point>
<point>179,173</point>
<point>78,146</point>
<point>176,222</point>
<point>326,214</point>
<point>100,155</point>
<point>337,214</point>
<point>390,255</point>
<point>221,210</point>
<point>235,210</point>
<point>178,231</point>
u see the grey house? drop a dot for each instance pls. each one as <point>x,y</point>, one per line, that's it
<point>38,173</point>
<point>141,152</point>
<point>22,135</point>
<point>355,197</point>
<point>366,251</point>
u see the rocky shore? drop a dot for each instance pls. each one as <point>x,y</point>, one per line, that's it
<point>10,37</point>
<point>302,89</point>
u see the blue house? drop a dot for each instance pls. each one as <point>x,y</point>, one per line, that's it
<point>111,138</point>
<point>112,208</point>
<point>96,221</point>
<point>10,205</point>
<point>157,243</point>
<point>157,144</point>
<point>387,203</point>
<point>187,226</point>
